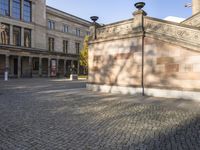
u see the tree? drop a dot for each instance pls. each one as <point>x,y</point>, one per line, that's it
<point>84,55</point>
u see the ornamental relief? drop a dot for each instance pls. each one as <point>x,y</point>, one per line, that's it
<point>174,31</point>
<point>114,31</point>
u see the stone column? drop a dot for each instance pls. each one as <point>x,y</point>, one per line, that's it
<point>78,67</point>
<point>11,34</point>
<point>22,36</point>
<point>7,62</point>
<point>30,66</point>
<point>49,67</point>
<point>57,66</point>
<point>22,10</point>
<point>33,10</point>
<point>65,69</point>
<point>40,66</point>
<point>195,6</point>
<point>10,7</point>
<point>7,66</point>
<point>19,67</point>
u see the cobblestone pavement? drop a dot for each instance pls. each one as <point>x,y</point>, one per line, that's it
<point>43,114</point>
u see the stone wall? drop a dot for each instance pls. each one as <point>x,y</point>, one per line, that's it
<point>146,55</point>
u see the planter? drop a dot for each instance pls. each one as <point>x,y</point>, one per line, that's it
<point>139,5</point>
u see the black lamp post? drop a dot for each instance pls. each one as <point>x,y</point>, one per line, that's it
<point>94,19</point>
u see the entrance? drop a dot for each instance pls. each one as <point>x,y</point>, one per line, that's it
<point>15,66</point>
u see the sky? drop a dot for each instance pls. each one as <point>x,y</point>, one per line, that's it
<point>110,11</point>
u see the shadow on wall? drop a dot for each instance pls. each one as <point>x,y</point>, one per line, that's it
<point>166,66</point>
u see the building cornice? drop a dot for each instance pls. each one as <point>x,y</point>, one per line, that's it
<point>35,51</point>
<point>67,16</point>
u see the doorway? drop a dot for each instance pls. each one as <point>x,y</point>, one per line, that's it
<point>15,66</point>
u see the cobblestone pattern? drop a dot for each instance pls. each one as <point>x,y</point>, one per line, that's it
<point>52,116</point>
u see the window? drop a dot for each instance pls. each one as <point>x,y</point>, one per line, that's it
<point>51,44</point>
<point>65,46</point>
<point>77,45</point>
<point>16,9</point>
<point>5,7</point>
<point>35,65</point>
<point>27,37</point>
<point>16,36</point>
<point>78,32</point>
<point>4,34</point>
<point>51,24</point>
<point>65,28</point>
<point>27,11</point>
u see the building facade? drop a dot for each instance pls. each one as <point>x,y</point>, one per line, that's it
<point>145,55</point>
<point>38,40</point>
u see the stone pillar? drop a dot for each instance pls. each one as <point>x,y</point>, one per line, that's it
<point>57,66</point>
<point>22,36</point>
<point>40,66</point>
<point>11,34</point>
<point>33,10</point>
<point>19,67</point>
<point>65,69</point>
<point>49,67</point>
<point>30,66</point>
<point>7,62</point>
<point>22,10</point>
<point>78,67</point>
<point>10,1</point>
<point>195,6</point>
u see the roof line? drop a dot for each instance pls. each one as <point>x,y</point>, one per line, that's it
<point>68,14</point>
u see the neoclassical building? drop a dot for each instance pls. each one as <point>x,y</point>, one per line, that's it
<point>149,56</point>
<point>38,40</point>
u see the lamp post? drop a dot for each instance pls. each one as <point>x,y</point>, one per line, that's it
<point>94,19</point>
<point>140,16</point>
<point>2,29</point>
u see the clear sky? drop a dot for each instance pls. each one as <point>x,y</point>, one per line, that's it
<point>115,10</point>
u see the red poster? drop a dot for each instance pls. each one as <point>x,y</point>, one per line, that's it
<point>53,68</point>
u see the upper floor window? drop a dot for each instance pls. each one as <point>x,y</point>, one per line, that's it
<point>65,28</point>
<point>5,7</point>
<point>65,46</point>
<point>77,46</point>
<point>51,44</point>
<point>27,11</point>
<point>16,36</point>
<point>78,32</point>
<point>4,34</point>
<point>51,24</point>
<point>27,37</point>
<point>16,9</point>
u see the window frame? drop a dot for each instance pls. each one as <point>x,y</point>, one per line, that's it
<point>51,24</point>
<point>77,47</point>
<point>5,6</point>
<point>24,11</point>
<point>16,10</point>
<point>65,46</point>
<point>20,30</point>
<point>51,44</point>
<point>78,32</point>
<point>26,30</point>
